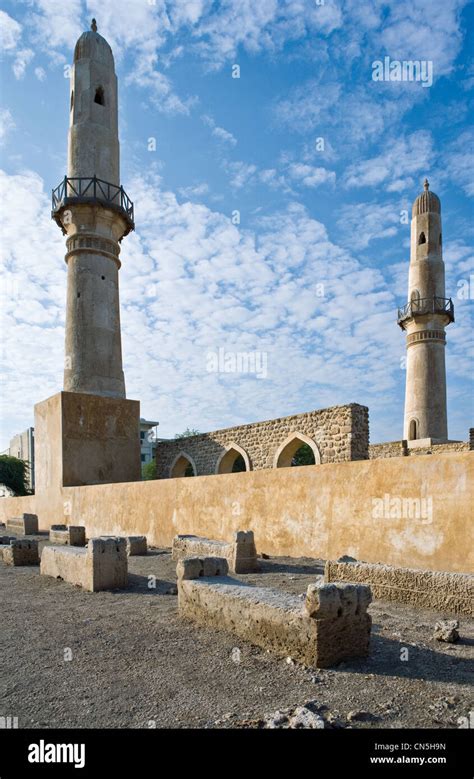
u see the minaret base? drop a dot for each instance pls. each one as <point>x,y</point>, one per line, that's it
<point>86,439</point>
<point>423,443</point>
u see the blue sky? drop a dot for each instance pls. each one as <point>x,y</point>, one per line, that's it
<point>313,273</point>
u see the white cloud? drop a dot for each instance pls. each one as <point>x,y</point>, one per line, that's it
<point>195,191</point>
<point>40,74</point>
<point>310,176</point>
<point>191,281</point>
<point>55,25</point>
<point>219,132</point>
<point>361,223</point>
<point>403,157</point>
<point>10,32</point>
<point>241,173</point>
<point>458,162</point>
<point>413,31</point>
<point>6,123</point>
<point>22,60</point>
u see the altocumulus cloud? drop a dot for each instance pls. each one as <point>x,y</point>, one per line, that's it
<point>191,282</point>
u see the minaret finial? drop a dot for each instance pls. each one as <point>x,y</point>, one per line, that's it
<point>94,26</point>
<point>426,185</point>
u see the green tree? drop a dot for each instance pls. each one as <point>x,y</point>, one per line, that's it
<point>303,456</point>
<point>149,471</point>
<point>14,474</point>
<point>187,433</point>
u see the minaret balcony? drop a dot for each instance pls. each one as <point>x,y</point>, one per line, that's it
<point>424,307</point>
<point>74,191</point>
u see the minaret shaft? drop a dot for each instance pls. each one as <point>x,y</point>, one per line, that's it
<point>424,319</point>
<point>95,214</point>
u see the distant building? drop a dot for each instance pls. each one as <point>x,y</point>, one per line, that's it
<point>22,446</point>
<point>148,440</point>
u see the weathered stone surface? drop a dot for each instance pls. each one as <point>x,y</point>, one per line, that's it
<point>85,439</point>
<point>20,551</point>
<point>446,630</point>
<point>334,626</point>
<point>26,524</point>
<point>101,565</point>
<point>438,590</point>
<point>70,535</point>
<point>302,717</point>
<point>240,553</point>
<point>401,449</point>
<point>340,433</point>
<point>196,567</point>
<point>136,545</point>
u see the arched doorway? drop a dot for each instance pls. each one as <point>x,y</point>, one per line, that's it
<point>413,430</point>
<point>297,449</point>
<point>233,460</point>
<point>183,465</point>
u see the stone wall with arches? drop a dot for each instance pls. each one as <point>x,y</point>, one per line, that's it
<point>334,434</point>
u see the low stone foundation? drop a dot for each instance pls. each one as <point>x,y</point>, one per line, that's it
<point>241,554</point>
<point>26,524</point>
<point>20,551</point>
<point>331,626</point>
<point>101,565</point>
<point>136,545</point>
<point>70,535</point>
<point>437,590</point>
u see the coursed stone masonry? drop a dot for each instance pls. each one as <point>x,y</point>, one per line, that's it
<point>336,434</point>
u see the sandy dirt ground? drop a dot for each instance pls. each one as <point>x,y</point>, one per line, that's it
<point>136,663</point>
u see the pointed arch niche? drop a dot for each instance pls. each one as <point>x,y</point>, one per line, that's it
<point>233,460</point>
<point>287,450</point>
<point>182,465</point>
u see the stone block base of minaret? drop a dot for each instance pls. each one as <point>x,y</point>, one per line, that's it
<point>86,439</point>
<point>423,443</point>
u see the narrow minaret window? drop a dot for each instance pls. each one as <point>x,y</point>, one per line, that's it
<point>422,238</point>
<point>99,96</point>
<point>72,100</point>
<point>412,436</point>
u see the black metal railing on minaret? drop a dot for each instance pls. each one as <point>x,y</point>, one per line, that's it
<point>424,306</point>
<point>75,190</point>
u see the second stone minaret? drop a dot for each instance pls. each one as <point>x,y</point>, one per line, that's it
<point>424,319</point>
<point>95,213</point>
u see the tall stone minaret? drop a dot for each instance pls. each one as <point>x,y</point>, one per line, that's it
<point>94,212</point>
<point>424,318</point>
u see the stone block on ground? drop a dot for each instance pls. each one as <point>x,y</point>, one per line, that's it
<point>240,553</point>
<point>20,551</point>
<point>70,535</point>
<point>439,590</point>
<point>25,524</point>
<point>331,626</point>
<point>136,545</point>
<point>101,565</point>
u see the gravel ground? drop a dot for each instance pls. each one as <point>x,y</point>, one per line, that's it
<point>136,663</point>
